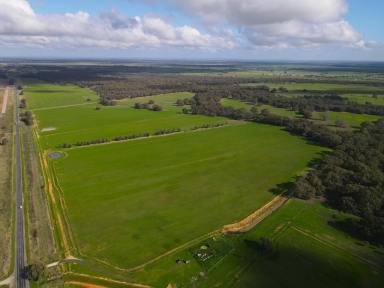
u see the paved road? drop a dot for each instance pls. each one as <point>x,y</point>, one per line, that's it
<point>20,254</point>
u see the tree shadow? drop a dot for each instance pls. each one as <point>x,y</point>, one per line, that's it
<point>283,188</point>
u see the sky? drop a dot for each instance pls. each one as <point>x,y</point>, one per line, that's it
<point>193,29</point>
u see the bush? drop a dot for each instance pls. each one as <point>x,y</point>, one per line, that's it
<point>27,118</point>
<point>157,108</point>
<point>35,272</point>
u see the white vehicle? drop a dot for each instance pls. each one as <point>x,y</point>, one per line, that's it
<point>21,206</point>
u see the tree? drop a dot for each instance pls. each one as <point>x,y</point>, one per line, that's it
<point>27,118</point>
<point>180,102</point>
<point>157,108</point>
<point>254,110</point>
<point>23,103</point>
<point>324,116</point>
<point>35,272</point>
<point>305,113</point>
<point>341,123</point>
<point>303,189</point>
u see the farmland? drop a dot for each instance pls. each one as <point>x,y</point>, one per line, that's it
<point>42,96</point>
<point>63,125</point>
<point>303,236</point>
<point>183,174</point>
<point>140,196</point>
<point>364,98</point>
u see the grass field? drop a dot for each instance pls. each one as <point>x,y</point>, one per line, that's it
<point>110,122</point>
<point>364,98</point>
<point>63,120</point>
<point>309,251</point>
<point>41,96</point>
<point>242,105</point>
<point>353,120</point>
<point>166,101</point>
<point>162,192</point>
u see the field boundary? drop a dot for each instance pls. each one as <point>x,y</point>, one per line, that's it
<point>110,142</point>
<point>55,209</point>
<point>332,245</point>
<point>128,284</point>
<point>256,217</point>
<point>64,106</point>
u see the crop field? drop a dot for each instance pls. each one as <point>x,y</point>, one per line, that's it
<point>41,96</point>
<point>322,255</point>
<point>109,122</point>
<point>70,124</point>
<point>162,192</point>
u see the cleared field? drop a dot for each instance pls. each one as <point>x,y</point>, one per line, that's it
<point>322,255</point>
<point>81,123</point>
<point>319,86</point>
<point>162,192</point>
<point>235,104</point>
<point>353,120</point>
<point>364,98</point>
<point>242,105</point>
<point>166,101</point>
<point>49,95</point>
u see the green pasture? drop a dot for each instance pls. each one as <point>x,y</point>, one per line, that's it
<point>166,101</point>
<point>309,250</point>
<point>353,120</point>
<point>243,105</point>
<point>82,123</point>
<point>365,98</point>
<point>130,202</point>
<point>49,95</point>
<point>236,104</point>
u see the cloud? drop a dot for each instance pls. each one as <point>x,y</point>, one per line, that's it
<point>20,24</point>
<point>279,23</point>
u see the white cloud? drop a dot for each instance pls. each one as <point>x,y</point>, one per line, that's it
<point>279,23</point>
<point>20,24</point>
<point>252,12</point>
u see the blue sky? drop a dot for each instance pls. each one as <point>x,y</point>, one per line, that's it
<point>206,29</point>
